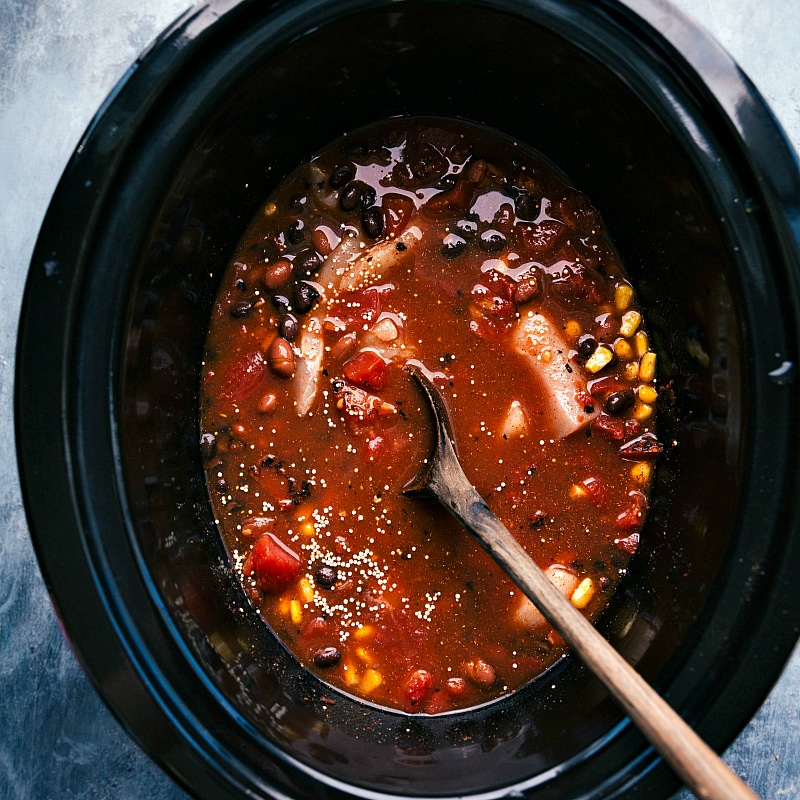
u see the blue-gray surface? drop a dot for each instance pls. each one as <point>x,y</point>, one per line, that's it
<point>58,60</point>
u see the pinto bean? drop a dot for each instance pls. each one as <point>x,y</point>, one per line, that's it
<point>281,357</point>
<point>277,274</point>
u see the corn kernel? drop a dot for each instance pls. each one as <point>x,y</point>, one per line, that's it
<point>597,360</point>
<point>641,343</point>
<point>647,393</point>
<point>577,492</point>
<point>306,590</point>
<point>295,612</point>
<point>623,295</point>
<point>642,411</point>
<point>630,323</point>
<point>623,349</point>
<point>631,371</point>
<point>583,594</point>
<point>364,632</point>
<point>283,606</point>
<point>364,655</point>
<point>270,209</point>
<point>350,674</point>
<point>372,680</point>
<point>307,528</point>
<point>573,329</point>
<point>641,473</point>
<point>647,367</point>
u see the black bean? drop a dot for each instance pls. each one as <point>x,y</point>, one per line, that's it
<point>305,296</point>
<point>527,207</point>
<point>355,195</point>
<point>222,485</point>
<point>445,182</point>
<point>288,327</point>
<point>298,202</point>
<point>618,402</point>
<point>295,233</point>
<point>281,303</point>
<point>242,308</point>
<point>467,228</point>
<point>587,344</point>
<point>492,241</point>
<point>327,656</point>
<point>306,263</point>
<point>372,222</point>
<point>368,197</point>
<point>208,445</point>
<point>350,196</point>
<point>341,176</point>
<point>453,246</point>
<point>240,285</point>
<point>325,576</point>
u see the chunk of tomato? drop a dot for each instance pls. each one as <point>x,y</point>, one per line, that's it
<point>398,211</point>
<point>368,370</point>
<point>274,566</point>
<point>418,686</point>
<point>243,377</point>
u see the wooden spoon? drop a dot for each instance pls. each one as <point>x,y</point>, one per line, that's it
<point>688,755</point>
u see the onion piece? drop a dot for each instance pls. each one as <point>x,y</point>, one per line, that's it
<point>526,613</point>
<point>566,397</point>
<point>308,370</point>
<point>374,264</point>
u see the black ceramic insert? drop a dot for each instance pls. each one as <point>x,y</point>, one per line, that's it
<point>698,189</point>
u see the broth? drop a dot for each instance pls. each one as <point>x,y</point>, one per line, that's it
<point>447,245</point>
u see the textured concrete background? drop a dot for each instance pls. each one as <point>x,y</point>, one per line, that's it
<point>58,61</point>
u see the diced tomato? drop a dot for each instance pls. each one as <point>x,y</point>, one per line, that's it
<point>498,284</point>
<point>492,313</point>
<point>274,566</point>
<point>368,370</point>
<point>418,686</point>
<point>629,545</point>
<point>613,428</point>
<point>596,489</point>
<point>543,237</point>
<point>577,282</point>
<point>398,211</point>
<point>643,448</point>
<point>359,308</point>
<point>451,202</point>
<point>243,377</point>
<point>605,385</point>
<point>633,516</point>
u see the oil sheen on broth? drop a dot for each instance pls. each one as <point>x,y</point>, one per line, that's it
<point>443,244</point>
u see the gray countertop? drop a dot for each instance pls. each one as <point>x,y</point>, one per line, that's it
<point>58,61</point>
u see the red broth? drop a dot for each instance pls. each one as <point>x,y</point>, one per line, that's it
<point>446,245</point>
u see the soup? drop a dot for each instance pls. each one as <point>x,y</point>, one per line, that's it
<point>445,245</point>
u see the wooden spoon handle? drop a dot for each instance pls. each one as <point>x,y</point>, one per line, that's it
<point>688,755</point>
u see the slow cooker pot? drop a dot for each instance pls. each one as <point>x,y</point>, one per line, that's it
<point>700,192</point>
